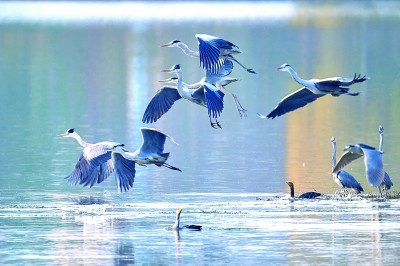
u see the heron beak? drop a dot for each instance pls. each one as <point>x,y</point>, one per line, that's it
<point>278,68</point>
<point>167,70</point>
<point>61,135</point>
<point>164,80</point>
<point>164,45</point>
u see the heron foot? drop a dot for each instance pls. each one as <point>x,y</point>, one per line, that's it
<point>216,124</point>
<point>250,70</point>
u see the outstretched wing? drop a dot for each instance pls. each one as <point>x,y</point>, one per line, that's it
<point>124,172</point>
<point>344,160</point>
<point>209,50</point>
<point>214,99</point>
<point>373,166</point>
<point>294,101</point>
<point>160,104</point>
<point>153,140</point>
<point>341,82</point>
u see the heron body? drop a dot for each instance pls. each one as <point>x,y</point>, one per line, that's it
<point>343,178</point>
<point>306,195</point>
<point>312,90</point>
<point>207,96</point>
<point>150,152</point>
<point>176,225</point>
<point>95,164</point>
<point>387,182</point>
<point>372,160</point>
<point>213,51</point>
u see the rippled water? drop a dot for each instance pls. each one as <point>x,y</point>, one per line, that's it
<point>95,67</point>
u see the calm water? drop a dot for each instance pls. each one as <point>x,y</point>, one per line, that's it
<point>95,67</point>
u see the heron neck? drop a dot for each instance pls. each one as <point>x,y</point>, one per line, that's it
<point>80,140</point>
<point>381,142</point>
<point>299,80</point>
<point>188,51</point>
<point>333,155</point>
<point>177,220</point>
<point>181,90</point>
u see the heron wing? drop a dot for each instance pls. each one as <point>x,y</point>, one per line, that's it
<point>153,141</point>
<point>293,101</point>
<point>348,181</point>
<point>344,160</point>
<point>214,99</point>
<point>373,166</point>
<point>209,53</point>
<point>387,181</point>
<point>339,81</point>
<point>160,104</point>
<point>124,172</point>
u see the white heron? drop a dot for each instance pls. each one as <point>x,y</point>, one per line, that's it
<point>207,96</point>
<point>387,182</point>
<point>372,160</point>
<point>176,225</point>
<point>95,164</point>
<point>212,51</point>
<point>312,89</point>
<point>343,178</point>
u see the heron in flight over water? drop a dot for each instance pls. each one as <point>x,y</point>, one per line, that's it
<point>219,80</point>
<point>207,96</point>
<point>100,160</point>
<point>312,89</point>
<point>343,178</point>
<point>307,195</point>
<point>176,225</point>
<point>212,52</point>
<point>387,182</point>
<point>150,152</point>
<point>372,160</point>
<point>95,164</point>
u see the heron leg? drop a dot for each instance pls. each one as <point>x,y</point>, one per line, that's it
<point>171,167</point>
<point>215,124</point>
<point>380,191</point>
<point>250,70</point>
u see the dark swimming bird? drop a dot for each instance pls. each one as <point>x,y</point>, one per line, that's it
<point>307,195</point>
<point>207,96</point>
<point>343,178</point>
<point>95,164</point>
<point>176,225</point>
<point>212,52</point>
<point>372,160</point>
<point>387,182</point>
<point>312,89</point>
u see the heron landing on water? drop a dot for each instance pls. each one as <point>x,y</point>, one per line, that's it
<point>213,51</point>
<point>312,89</point>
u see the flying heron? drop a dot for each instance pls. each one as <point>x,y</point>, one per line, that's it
<point>219,80</point>
<point>95,164</point>
<point>387,182</point>
<point>312,89</point>
<point>212,51</point>
<point>372,160</point>
<point>150,152</point>
<point>307,195</point>
<point>343,178</point>
<point>207,96</point>
<point>176,225</point>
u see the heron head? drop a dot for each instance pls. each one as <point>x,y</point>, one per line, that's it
<point>333,140</point>
<point>284,67</point>
<point>173,43</point>
<point>178,212</point>
<point>120,148</point>
<point>381,130</point>
<point>173,69</point>
<point>67,134</point>
<point>173,80</point>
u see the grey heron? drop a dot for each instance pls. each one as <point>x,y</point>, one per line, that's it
<point>387,182</point>
<point>307,195</point>
<point>207,96</point>
<point>212,51</point>
<point>176,225</point>
<point>95,164</point>
<point>312,89</point>
<point>151,151</point>
<point>372,160</point>
<point>219,80</point>
<point>343,178</point>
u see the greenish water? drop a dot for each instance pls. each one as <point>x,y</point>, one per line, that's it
<point>95,67</point>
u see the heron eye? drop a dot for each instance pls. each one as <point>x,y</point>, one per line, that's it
<point>175,41</point>
<point>71,130</point>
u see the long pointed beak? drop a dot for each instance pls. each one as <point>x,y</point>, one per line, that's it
<point>164,45</point>
<point>167,70</point>
<point>278,68</point>
<point>61,135</point>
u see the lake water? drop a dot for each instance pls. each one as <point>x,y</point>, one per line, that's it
<point>95,66</point>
